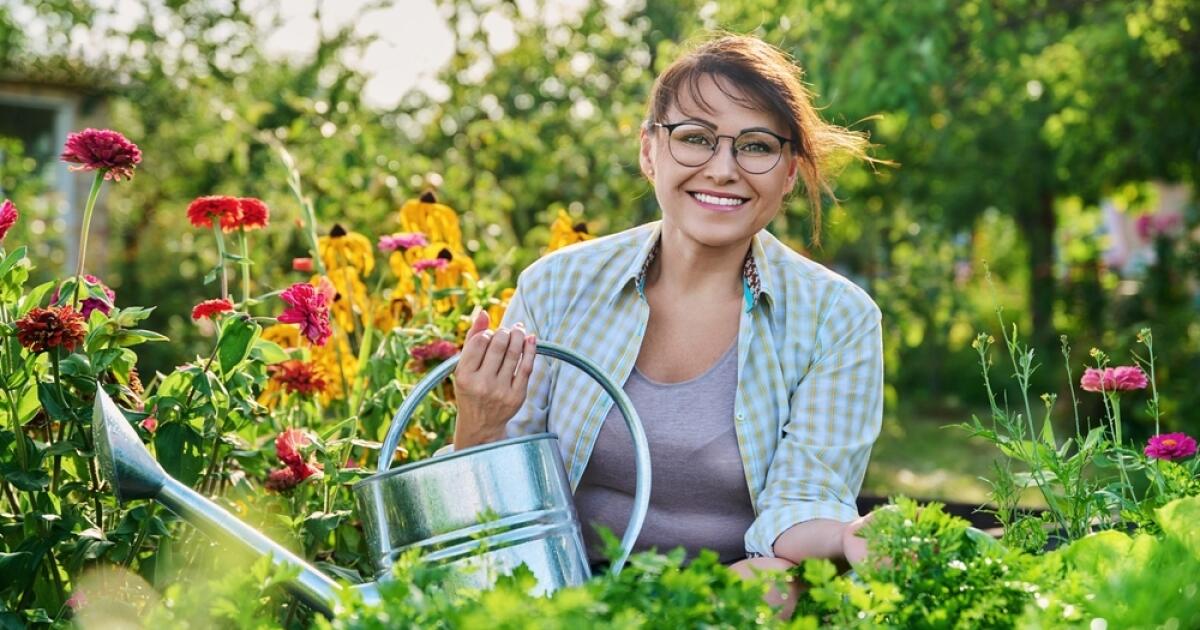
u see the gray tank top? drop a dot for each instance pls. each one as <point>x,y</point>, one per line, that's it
<point>699,498</point>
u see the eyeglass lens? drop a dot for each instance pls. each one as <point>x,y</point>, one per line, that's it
<point>756,152</point>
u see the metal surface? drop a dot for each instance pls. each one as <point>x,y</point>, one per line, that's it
<point>484,510</point>
<point>450,489</point>
<point>133,474</point>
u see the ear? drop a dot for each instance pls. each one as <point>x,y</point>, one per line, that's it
<point>646,154</point>
<point>793,170</point>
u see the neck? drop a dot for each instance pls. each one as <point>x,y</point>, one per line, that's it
<point>686,267</point>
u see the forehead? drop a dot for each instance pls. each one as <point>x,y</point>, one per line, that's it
<point>719,100</point>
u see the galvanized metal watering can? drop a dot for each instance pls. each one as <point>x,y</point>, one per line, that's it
<point>482,511</point>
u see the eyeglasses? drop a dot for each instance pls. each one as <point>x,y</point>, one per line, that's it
<point>692,144</point>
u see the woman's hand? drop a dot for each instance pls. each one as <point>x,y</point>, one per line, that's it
<point>490,380</point>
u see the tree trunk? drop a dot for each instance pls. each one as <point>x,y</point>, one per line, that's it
<point>1039,224</point>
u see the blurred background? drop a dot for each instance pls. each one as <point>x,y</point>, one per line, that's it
<point>1047,152</point>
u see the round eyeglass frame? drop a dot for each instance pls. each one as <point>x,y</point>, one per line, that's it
<point>670,127</point>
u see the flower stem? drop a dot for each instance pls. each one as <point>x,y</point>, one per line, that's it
<point>221,258</point>
<point>84,228</point>
<point>245,263</point>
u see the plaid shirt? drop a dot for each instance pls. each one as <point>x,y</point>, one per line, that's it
<point>809,400</point>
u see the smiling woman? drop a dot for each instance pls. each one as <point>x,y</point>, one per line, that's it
<point>758,373</point>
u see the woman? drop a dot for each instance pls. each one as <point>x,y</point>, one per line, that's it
<point>757,373</point>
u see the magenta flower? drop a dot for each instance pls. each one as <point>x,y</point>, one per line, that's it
<point>8,218</point>
<point>92,303</point>
<point>402,241</point>
<point>102,150</point>
<point>1124,378</point>
<point>1171,446</point>
<point>433,351</point>
<point>426,264</point>
<point>309,308</point>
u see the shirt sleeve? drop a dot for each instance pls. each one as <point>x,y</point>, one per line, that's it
<point>835,416</point>
<point>528,305</point>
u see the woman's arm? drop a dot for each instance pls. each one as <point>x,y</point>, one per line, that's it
<point>834,418</point>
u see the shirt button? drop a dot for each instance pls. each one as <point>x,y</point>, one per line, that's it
<point>739,415</point>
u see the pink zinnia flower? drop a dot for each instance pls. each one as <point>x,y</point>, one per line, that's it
<point>102,150</point>
<point>211,308</point>
<point>8,218</point>
<point>1171,446</point>
<point>1124,378</point>
<point>429,263</point>
<point>434,351</point>
<point>402,241</point>
<point>92,304</point>
<point>255,213</point>
<point>227,209</point>
<point>302,264</point>
<point>309,308</point>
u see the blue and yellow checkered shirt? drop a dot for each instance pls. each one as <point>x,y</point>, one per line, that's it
<point>809,400</point>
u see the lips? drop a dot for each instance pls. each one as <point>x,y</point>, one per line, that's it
<point>718,202</point>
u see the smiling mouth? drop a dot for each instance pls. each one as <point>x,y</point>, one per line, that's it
<point>717,202</point>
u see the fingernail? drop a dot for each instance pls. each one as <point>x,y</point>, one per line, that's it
<point>520,325</point>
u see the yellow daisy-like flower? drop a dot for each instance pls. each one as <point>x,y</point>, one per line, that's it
<point>436,221</point>
<point>346,249</point>
<point>286,336</point>
<point>326,360</point>
<point>496,309</point>
<point>563,232</point>
<point>458,272</point>
<point>401,265</point>
<point>392,313</point>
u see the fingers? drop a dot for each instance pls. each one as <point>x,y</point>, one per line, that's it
<point>473,351</point>
<point>525,367</point>
<point>479,324</point>
<point>512,355</point>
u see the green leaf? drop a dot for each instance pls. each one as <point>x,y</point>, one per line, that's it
<point>179,449</point>
<point>1100,553</point>
<point>134,337</point>
<point>11,260</point>
<point>48,395</point>
<point>237,337</point>
<point>28,480</point>
<point>1178,519</point>
<point>34,298</point>
<point>269,352</point>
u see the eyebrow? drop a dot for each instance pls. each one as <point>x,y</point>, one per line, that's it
<point>705,123</point>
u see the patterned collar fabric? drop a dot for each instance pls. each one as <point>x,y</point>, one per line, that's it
<point>751,279</point>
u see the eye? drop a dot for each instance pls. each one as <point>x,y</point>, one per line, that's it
<point>698,139</point>
<point>754,148</point>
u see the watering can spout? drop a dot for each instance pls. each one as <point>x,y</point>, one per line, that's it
<point>134,474</point>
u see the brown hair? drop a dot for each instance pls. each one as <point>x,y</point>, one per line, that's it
<point>770,80</point>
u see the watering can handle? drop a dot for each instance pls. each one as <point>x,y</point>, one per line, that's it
<point>641,495</point>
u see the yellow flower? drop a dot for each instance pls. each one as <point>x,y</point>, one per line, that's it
<point>286,335</point>
<point>563,232</point>
<point>497,308</point>
<point>341,249</point>
<point>436,221</point>
<point>326,359</point>
<point>401,264</point>
<point>458,272</point>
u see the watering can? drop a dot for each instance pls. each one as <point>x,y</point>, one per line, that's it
<point>481,511</point>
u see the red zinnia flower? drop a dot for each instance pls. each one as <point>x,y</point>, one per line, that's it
<point>302,264</point>
<point>52,327</point>
<point>429,263</point>
<point>309,308</point>
<point>297,376</point>
<point>92,303</point>
<point>150,424</point>
<point>254,213</point>
<point>8,217</point>
<point>211,308</point>
<point>288,445</point>
<point>1171,446</point>
<point>433,351</point>
<point>402,241</point>
<point>102,149</point>
<point>202,210</point>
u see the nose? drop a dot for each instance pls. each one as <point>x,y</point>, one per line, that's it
<point>722,168</point>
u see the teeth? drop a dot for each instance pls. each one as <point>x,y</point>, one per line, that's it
<point>720,201</point>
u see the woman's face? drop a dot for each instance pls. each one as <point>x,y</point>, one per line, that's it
<point>745,203</point>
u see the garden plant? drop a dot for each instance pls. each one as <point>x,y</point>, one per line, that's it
<point>284,412</point>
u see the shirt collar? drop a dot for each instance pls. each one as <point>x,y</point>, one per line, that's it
<point>754,276</point>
